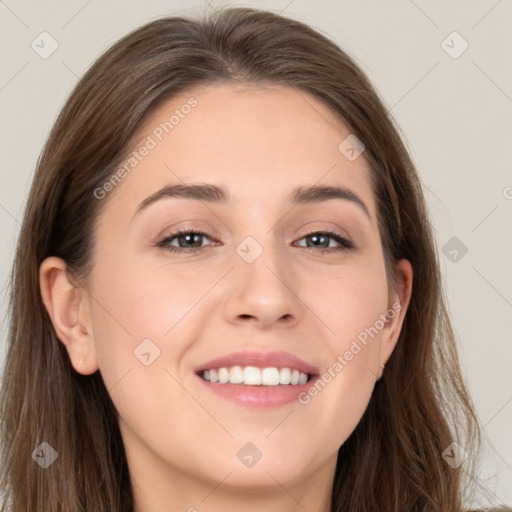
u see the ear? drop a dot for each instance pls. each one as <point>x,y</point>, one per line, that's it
<point>69,312</point>
<point>398,303</point>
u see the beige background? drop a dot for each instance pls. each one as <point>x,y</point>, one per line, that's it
<point>456,114</point>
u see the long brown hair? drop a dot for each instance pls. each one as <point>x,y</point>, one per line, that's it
<point>393,460</point>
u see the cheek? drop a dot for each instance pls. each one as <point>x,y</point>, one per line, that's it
<point>139,320</point>
<point>145,319</point>
<point>348,300</point>
<point>135,302</point>
<point>350,303</point>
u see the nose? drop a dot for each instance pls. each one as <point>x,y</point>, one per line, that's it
<point>263,293</point>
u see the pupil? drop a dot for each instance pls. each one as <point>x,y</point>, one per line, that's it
<point>317,238</point>
<point>191,238</point>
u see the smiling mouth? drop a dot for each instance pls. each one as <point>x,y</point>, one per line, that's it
<point>255,376</point>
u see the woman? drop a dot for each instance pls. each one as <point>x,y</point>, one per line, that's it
<point>226,291</point>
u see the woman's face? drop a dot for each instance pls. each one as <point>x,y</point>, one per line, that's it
<point>279,268</point>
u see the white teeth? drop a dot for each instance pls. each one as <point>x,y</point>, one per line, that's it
<point>254,376</point>
<point>223,375</point>
<point>285,376</point>
<point>270,376</point>
<point>236,375</point>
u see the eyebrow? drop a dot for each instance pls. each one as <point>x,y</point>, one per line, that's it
<point>305,194</point>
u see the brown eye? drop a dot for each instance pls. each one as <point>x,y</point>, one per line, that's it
<point>323,240</point>
<point>187,241</point>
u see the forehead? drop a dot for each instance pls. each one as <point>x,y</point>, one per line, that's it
<point>258,140</point>
<point>256,115</point>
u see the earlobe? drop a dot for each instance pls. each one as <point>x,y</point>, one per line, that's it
<point>69,312</point>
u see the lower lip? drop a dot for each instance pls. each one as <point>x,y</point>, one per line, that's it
<point>258,396</point>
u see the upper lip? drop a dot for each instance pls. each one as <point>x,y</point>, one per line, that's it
<point>259,359</point>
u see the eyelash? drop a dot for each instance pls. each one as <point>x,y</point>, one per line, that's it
<point>345,245</point>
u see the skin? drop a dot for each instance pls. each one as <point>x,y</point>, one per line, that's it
<point>182,440</point>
